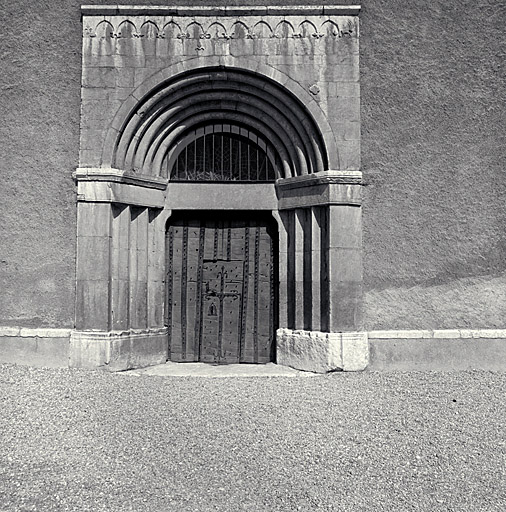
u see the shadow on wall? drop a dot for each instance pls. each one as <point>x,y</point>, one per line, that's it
<point>470,302</point>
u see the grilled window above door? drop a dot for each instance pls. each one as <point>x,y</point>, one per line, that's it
<point>223,152</point>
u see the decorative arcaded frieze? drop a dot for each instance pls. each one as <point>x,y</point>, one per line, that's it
<point>122,22</point>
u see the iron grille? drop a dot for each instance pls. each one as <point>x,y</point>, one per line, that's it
<point>223,153</point>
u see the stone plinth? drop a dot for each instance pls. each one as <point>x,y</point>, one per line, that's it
<point>322,352</point>
<point>118,350</point>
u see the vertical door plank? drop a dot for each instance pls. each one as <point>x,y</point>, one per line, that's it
<point>209,239</point>
<point>192,290</point>
<point>211,320</point>
<point>169,280</point>
<point>256,309</point>
<point>249,296</point>
<point>241,242</point>
<point>264,297</point>
<point>232,303</point>
<point>198,316</point>
<point>184,291</point>
<point>177,255</point>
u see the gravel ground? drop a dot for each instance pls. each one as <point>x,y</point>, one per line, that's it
<point>81,440</point>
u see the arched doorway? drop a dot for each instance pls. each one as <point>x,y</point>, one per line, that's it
<point>220,282</point>
<point>221,287</point>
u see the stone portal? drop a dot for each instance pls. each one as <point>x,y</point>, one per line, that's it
<point>248,109</point>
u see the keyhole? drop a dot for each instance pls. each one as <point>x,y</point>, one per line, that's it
<point>212,310</point>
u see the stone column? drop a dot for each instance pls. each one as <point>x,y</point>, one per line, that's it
<point>138,251</point>
<point>283,292</point>
<point>156,267</point>
<point>120,265</point>
<point>316,270</point>
<point>300,291</point>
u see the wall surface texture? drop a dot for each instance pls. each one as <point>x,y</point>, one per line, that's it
<point>433,82</point>
<point>433,87</point>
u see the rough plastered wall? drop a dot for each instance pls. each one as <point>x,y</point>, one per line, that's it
<point>39,147</point>
<point>433,78</point>
<point>433,95</point>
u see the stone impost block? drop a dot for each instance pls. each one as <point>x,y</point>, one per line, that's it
<point>107,174</point>
<point>121,193</point>
<point>322,352</point>
<point>318,189</point>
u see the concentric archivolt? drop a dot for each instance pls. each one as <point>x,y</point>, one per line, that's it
<point>212,95</point>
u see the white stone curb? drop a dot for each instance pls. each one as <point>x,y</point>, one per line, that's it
<point>439,334</point>
<point>24,332</point>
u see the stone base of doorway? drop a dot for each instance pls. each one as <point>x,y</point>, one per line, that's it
<point>118,350</point>
<point>171,369</point>
<point>322,352</point>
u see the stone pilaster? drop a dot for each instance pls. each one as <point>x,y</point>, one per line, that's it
<point>93,265</point>
<point>344,248</point>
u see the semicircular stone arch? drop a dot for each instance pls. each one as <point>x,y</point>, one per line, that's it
<point>156,112</point>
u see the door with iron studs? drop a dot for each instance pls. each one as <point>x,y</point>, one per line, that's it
<point>220,300</point>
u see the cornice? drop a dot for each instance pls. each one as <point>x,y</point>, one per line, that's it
<point>179,10</point>
<point>321,178</point>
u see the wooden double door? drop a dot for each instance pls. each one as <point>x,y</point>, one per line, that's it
<point>221,287</point>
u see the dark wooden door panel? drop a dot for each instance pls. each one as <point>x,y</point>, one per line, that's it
<point>220,290</point>
<point>222,284</point>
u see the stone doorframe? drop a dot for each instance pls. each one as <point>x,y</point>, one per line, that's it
<point>122,213</point>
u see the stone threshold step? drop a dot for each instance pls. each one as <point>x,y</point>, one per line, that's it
<point>171,369</point>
